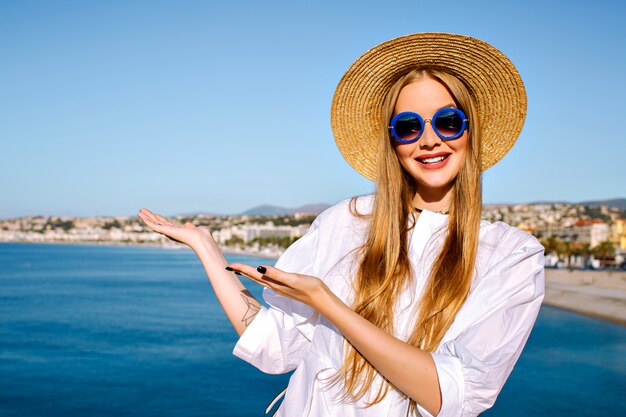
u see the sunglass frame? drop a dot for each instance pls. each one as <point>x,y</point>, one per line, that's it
<point>457,111</point>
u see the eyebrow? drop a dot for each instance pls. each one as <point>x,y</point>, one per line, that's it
<point>448,105</point>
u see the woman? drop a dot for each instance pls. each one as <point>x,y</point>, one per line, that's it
<point>401,302</point>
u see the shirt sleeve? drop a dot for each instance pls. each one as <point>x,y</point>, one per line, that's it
<point>280,334</point>
<point>473,367</point>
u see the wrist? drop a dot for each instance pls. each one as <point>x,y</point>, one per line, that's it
<point>327,303</point>
<point>204,245</point>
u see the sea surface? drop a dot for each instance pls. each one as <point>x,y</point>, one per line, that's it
<point>137,331</point>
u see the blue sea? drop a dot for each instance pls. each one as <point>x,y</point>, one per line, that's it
<point>136,331</point>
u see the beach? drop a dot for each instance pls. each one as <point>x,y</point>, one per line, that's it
<point>600,294</point>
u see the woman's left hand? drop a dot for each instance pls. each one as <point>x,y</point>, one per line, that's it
<point>305,288</point>
<point>407,367</point>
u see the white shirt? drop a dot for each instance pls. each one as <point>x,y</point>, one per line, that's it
<point>476,354</point>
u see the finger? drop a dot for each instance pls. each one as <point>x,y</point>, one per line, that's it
<point>157,226</point>
<point>164,220</point>
<point>145,218</point>
<point>248,272</point>
<point>146,214</point>
<point>150,222</point>
<point>157,218</point>
<point>276,275</point>
<point>258,281</point>
<point>156,222</point>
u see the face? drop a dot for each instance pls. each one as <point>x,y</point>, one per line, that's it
<point>423,159</point>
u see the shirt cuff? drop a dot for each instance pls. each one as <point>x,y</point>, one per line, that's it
<point>451,383</point>
<point>250,340</point>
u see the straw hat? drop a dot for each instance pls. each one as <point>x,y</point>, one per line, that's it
<point>490,76</point>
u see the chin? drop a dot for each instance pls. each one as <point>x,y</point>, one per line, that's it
<point>443,183</point>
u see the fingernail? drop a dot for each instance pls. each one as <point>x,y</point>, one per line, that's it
<point>228,268</point>
<point>262,269</point>
<point>237,273</point>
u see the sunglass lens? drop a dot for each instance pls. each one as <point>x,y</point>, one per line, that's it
<point>408,127</point>
<point>449,123</point>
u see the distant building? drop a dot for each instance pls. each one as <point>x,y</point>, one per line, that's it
<point>618,233</point>
<point>587,231</point>
<point>249,232</point>
<point>549,230</point>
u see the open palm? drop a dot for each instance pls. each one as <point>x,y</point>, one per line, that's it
<point>187,233</point>
<point>304,288</point>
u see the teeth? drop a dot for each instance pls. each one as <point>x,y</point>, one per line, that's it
<point>433,160</point>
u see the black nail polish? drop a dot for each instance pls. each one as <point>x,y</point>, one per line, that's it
<point>228,268</point>
<point>238,273</point>
<point>262,269</point>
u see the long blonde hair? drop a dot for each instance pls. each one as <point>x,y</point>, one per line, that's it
<point>385,267</point>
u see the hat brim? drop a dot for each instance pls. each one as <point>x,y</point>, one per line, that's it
<point>492,80</point>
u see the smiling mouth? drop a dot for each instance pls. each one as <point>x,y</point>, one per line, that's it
<point>434,159</point>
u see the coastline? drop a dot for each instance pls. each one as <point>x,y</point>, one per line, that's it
<point>267,253</point>
<point>595,293</point>
<point>600,294</point>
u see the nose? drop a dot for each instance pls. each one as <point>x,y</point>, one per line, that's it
<point>429,138</point>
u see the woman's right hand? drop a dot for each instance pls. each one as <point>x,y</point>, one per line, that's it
<point>187,233</point>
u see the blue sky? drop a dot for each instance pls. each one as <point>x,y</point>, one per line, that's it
<point>184,106</point>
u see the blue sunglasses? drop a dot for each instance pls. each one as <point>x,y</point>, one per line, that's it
<point>448,123</point>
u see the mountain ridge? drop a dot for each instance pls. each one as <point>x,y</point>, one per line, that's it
<point>269,210</point>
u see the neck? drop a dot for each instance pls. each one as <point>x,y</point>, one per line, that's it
<point>438,200</point>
